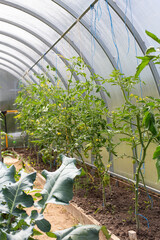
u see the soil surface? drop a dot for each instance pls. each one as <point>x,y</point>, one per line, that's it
<point>57,215</point>
<point>118,215</point>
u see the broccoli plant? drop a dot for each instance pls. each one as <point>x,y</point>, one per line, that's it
<point>15,223</point>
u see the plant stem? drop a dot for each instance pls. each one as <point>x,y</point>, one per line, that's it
<point>139,130</point>
<point>138,172</point>
<point>103,194</point>
<point>136,201</point>
<point>137,186</point>
<point>42,210</point>
<point>84,164</point>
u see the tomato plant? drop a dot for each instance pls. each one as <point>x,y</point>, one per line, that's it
<point>136,123</point>
<point>72,120</point>
<point>75,120</point>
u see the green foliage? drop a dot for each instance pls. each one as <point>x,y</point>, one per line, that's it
<point>61,119</point>
<point>88,232</point>
<point>136,122</point>
<point>39,220</point>
<point>158,167</point>
<point>75,120</point>
<point>14,194</point>
<point>59,184</point>
<point>72,120</point>
<point>151,54</point>
<point>6,175</point>
<point>144,63</point>
<point>153,36</point>
<point>24,234</point>
<point>105,232</point>
<point>149,119</point>
<point>15,224</point>
<point>156,155</point>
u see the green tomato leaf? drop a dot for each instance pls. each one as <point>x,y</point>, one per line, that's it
<point>105,232</point>
<point>156,154</point>
<point>37,194</point>
<point>150,50</point>
<point>153,129</point>
<point>59,184</point>
<point>85,232</point>
<point>143,64</point>
<point>153,36</point>
<point>36,232</point>
<point>149,122</point>
<point>83,173</point>
<point>51,235</point>
<point>146,119</point>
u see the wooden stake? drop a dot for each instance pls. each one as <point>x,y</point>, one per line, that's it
<point>132,235</point>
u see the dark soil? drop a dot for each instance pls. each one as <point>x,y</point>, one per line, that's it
<point>118,215</point>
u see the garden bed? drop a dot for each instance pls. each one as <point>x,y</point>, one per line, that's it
<point>118,216</point>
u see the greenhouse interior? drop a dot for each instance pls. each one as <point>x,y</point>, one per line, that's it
<point>81,80</point>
